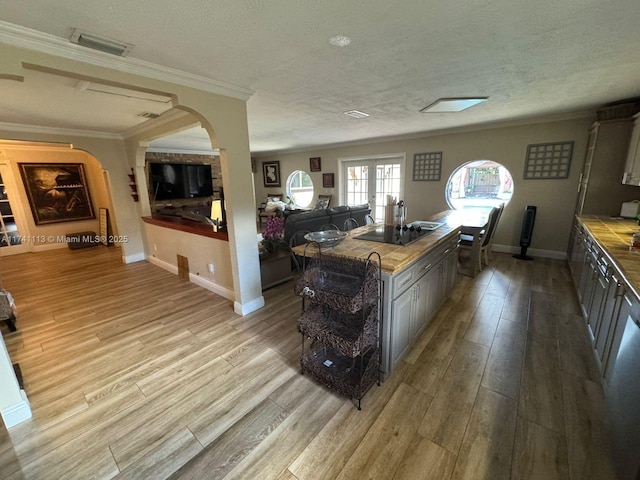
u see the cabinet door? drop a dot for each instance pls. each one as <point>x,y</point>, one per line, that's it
<point>632,167</point>
<point>587,280</point>
<point>629,311</point>
<point>610,309</point>
<point>426,292</point>
<point>600,288</point>
<point>402,318</point>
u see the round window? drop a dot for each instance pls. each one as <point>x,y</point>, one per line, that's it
<point>300,188</point>
<point>481,183</point>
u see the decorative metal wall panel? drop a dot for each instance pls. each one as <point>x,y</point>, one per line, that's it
<point>427,166</point>
<point>548,161</point>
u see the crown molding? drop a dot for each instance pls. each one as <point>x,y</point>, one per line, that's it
<point>23,37</point>
<point>66,132</point>
<point>184,151</point>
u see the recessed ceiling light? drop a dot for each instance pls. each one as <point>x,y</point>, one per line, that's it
<point>356,114</point>
<point>445,105</point>
<point>339,41</point>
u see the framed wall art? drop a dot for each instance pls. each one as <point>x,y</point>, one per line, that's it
<point>57,192</point>
<point>327,180</point>
<point>271,173</point>
<point>314,164</point>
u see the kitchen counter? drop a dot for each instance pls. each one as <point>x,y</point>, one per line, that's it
<point>613,234</point>
<point>395,258</point>
<point>417,278</point>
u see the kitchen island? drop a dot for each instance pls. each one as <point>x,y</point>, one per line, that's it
<point>417,278</point>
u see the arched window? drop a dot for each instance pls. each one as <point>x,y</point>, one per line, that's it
<point>300,188</point>
<point>481,183</point>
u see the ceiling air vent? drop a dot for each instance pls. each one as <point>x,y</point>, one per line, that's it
<point>148,115</point>
<point>102,44</point>
<point>356,114</point>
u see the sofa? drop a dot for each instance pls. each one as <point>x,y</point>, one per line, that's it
<point>314,219</point>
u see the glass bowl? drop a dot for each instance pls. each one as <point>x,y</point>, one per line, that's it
<point>327,238</point>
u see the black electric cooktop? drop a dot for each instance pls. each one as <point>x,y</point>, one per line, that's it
<point>398,235</point>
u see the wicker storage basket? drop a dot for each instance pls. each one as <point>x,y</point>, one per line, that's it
<point>343,283</point>
<point>347,334</point>
<point>351,377</point>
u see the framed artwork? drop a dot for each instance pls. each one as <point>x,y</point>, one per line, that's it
<point>57,192</point>
<point>314,164</point>
<point>271,173</point>
<point>327,180</point>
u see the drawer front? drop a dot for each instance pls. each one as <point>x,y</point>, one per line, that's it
<point>403,281</point>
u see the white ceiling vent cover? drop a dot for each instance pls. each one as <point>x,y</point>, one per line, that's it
<point>356,114</point>
<point>102,44</point>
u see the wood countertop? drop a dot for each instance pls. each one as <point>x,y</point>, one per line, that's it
<point>613,235</point>
<point>188,226</point>
<point>394,257</point>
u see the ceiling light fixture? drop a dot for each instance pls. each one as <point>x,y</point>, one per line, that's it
<point>446,105</point>
<point>102,44</point>
<point>339,41</point>
<point>356,114</point>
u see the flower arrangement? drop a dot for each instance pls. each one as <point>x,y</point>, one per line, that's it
<point>272,234</point>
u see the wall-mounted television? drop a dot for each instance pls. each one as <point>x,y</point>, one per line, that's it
<point>171,181</point>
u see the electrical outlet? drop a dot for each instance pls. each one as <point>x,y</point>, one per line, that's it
<point>211,269</point>
<point>155,247</point>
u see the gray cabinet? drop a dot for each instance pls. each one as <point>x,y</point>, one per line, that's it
<point>417,293</point>
<point>632,167</point>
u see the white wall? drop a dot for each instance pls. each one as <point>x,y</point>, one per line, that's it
<point>507,145</point>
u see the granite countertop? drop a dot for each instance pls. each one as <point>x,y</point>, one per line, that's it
<point>613,234</point>
<point>394,257</point>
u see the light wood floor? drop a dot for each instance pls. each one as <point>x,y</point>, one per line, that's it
<point>134,373</point>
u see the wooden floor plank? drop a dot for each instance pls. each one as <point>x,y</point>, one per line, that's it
<point>128,380</point>
<point>504,367</point>
<point>446,419</point>
<point>538,453</point>
<point>381,451</point>
<point>487,446</point>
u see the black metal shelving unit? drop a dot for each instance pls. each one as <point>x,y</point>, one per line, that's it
<point>341,316</point>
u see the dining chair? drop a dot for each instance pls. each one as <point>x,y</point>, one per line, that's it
<point>328,226</point>
<point>297,239</point>
<point>350,224</point>
<point>466,241</point>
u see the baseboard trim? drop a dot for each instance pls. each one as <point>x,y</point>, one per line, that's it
<point>243,309</point>
<point>534,252</point>
<point>17,413</point>
<point>136,257</point>
<point>201,282</point>
<point>212,287</point>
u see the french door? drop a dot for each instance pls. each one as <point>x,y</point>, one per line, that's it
<point>371,180</point>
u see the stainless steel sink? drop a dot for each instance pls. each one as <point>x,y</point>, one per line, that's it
<point>426,225</point>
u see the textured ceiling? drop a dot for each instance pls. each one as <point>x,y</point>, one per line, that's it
<point>531,59</point>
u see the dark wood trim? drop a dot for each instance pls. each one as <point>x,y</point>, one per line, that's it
<point>188,226</point>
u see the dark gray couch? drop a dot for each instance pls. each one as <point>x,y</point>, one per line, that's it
<point>313,220</point>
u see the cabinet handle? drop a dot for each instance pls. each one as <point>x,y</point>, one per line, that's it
<point>619,290</point>
<point>427,266</point>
